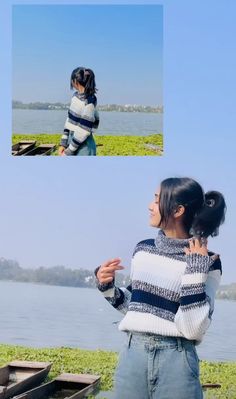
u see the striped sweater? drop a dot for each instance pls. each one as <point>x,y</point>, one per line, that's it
<point>81,120</point>
<point>171,293</point>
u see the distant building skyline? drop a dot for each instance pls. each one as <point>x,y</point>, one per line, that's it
<point>102,107</point>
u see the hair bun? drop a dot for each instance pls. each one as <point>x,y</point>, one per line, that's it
<point>210,216</point>
<point>213,199</point>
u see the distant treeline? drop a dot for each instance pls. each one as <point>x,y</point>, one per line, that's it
<point>59,275</point>
<point>227,291</point>
<point>109,107</point>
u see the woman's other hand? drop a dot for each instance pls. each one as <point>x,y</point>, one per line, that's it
<point>197,246</point>
<point>61,150</point>
<point>106,272</point>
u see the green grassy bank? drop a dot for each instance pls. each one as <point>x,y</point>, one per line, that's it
<point>107,145</point>
<point>104,363</point>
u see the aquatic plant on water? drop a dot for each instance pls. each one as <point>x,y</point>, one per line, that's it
<point>103,363</point>
<point>151,145</point>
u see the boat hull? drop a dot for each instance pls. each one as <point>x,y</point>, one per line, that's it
<point>69,386</point>
<point>20,376</point>
<point>22,147</point>
<point>42,149</point>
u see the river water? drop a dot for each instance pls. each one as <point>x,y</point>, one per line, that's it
<point>111,123</point>
<point>48,316</point>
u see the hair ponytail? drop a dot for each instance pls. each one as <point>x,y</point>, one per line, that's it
<point>86,78</point>
<point>203,214</point>
<point>89,80</point>
<point>210,216</point>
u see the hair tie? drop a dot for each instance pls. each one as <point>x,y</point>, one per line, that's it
<point>210,202</point>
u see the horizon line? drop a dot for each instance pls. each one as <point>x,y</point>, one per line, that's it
<point>105,104</point>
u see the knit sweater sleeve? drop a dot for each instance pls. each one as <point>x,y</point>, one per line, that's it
<point>81,126</point>
<point>64,138</point>
<point>197,294</point>
<point>66,131</point>
<point>119,298</point>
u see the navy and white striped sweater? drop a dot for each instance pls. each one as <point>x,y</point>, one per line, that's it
<point>171,293</point>
<point>82,118</point>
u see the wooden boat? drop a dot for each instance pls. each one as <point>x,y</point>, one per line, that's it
<point>69,386</point>
<point>22,147</point>
<point>42,149</point>
<point>211,386</point>
<point>19,376</point>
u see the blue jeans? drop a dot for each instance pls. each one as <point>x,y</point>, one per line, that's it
<point>88,147</point>
<point>156,367</point>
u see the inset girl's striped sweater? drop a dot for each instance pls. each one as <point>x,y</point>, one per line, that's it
<point>171,293</point>
<point>82,118</point>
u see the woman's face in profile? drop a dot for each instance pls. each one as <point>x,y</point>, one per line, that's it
<point>76,85</point>
<point>155,217</point>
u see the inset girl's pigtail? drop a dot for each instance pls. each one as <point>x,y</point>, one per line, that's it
<point>210,216</point>
<point>89,82</point>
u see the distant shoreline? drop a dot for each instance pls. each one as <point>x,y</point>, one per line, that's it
<point>46,106</point>
<point>218,297</point>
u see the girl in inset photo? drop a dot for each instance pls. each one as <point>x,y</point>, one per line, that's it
<point>169,303</point>
<point>83,117</point>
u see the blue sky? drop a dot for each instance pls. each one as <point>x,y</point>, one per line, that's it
<point>123,44</point>
<point>79,212</point>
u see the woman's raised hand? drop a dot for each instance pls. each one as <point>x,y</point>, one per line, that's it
<point>197,246</point>
<point>106,272</point>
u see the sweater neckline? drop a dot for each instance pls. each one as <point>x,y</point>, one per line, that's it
<point>81,96</point>
<point>169,245</point>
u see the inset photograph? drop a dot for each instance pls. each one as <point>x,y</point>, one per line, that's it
<point>87,80</point>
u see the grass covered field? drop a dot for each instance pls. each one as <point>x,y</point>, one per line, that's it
<point>107,145</point>
<point>103,363</point>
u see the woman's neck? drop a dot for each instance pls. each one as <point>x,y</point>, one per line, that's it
<point>81,89</point>
<point>176,232</point>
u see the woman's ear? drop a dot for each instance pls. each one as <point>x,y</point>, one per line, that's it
<point>179,211</point>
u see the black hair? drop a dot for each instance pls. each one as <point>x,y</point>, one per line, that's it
<point>203,213</point>
<point>86,78</point>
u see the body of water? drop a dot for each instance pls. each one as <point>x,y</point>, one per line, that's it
<point>26,121</point>
<point>49,316</point>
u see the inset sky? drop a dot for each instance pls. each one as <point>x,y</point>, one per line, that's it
<point>123,44</point>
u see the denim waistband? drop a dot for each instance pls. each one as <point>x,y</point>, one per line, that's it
<point>158,340</point>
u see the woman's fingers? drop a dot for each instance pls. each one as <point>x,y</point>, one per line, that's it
<point>191,244</point>
<point>61,150</point>
<point>198,246</point>
<point>112,265</point>
<point>187,250</point>
<point>196,242</point>
<point>111,269</point>
<point>110,262</point>
<point>106,272</point>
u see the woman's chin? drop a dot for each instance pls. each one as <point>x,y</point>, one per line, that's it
<point>152,223</point>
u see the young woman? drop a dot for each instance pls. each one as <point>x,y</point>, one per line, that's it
<point>83,117</point>
<point>170,300</point>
